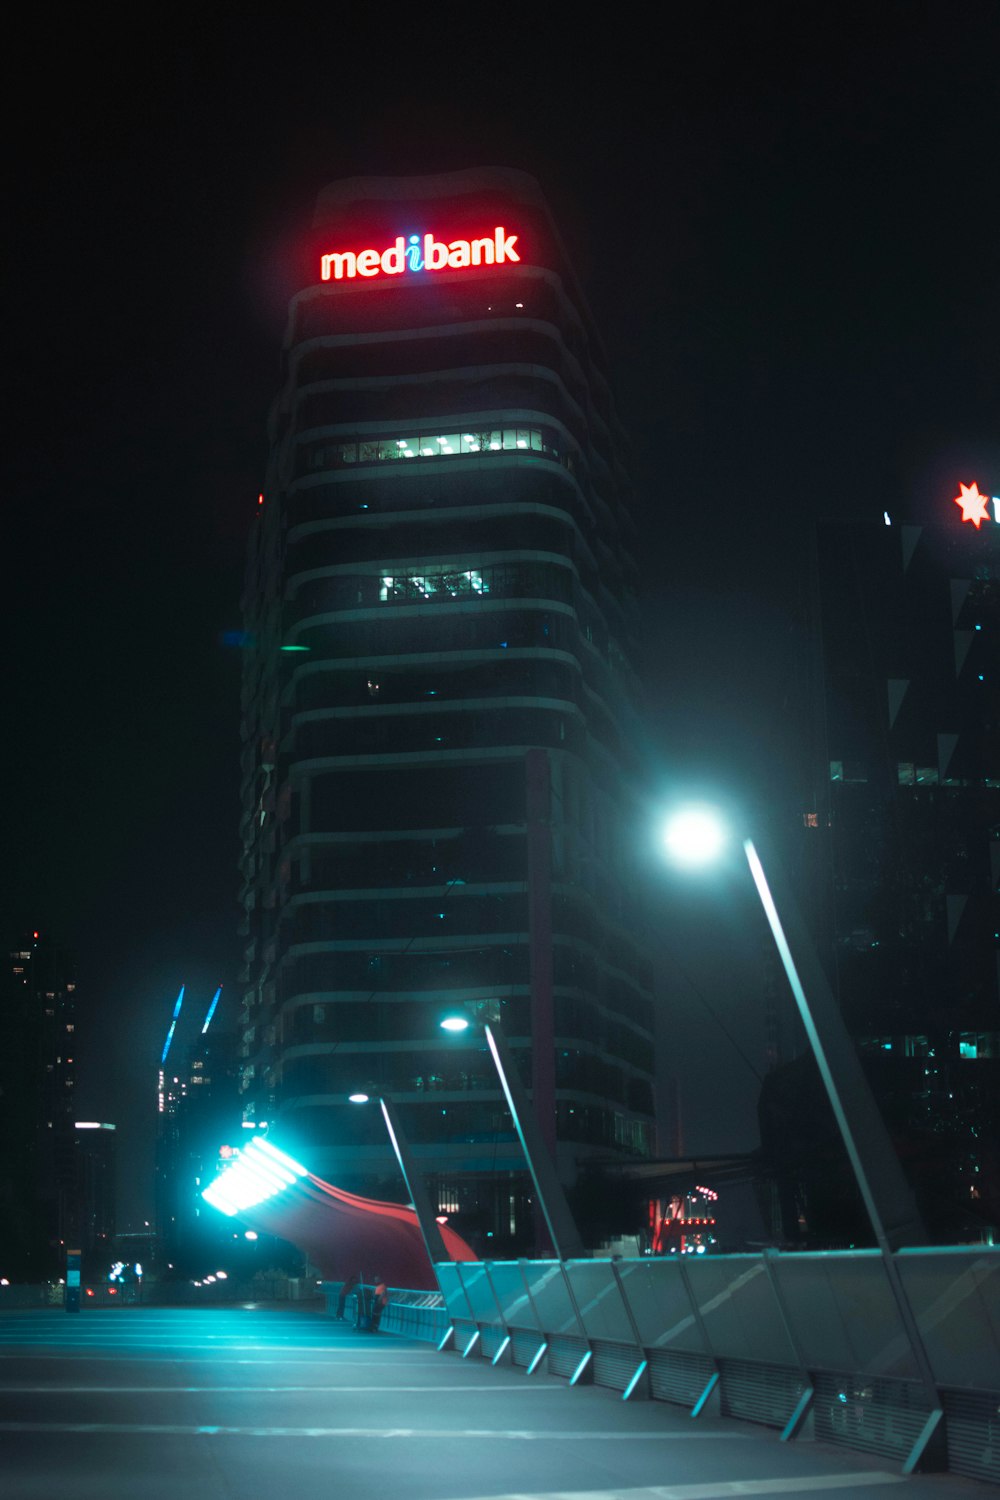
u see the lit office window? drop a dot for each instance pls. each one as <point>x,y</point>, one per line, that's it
<point>427,585</point>
<point>406,447</point>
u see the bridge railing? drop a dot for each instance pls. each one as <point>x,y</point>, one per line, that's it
<point>810,1343</point>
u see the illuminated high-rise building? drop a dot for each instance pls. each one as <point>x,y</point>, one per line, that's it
<point>439,774</point>
<point>197,1114</point>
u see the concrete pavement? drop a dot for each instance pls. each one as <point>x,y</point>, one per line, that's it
<point>252,1403</point>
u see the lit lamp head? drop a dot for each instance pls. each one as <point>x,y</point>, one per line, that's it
<point>455,1023</point>
<point>695,836</point>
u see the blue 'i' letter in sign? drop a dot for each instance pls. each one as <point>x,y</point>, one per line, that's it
<point>413,253</point>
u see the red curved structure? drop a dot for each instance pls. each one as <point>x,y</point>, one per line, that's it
<point>344,1235</point>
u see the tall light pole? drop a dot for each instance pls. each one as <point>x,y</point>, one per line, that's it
<point>551,1199</point>
<point>696,838</point>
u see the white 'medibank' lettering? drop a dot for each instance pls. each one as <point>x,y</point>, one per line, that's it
<point>339,266</point>
<point>414,254</point>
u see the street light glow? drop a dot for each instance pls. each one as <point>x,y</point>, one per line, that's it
<point>695,836</point>
<point>455,1023</point>
<point>357,1098</point>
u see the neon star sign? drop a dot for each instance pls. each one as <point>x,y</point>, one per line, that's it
<point>420,253</point>
<point>976,507</point>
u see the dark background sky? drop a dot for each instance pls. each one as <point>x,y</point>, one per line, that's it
<point>786,219</point>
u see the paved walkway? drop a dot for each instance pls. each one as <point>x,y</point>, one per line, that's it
<point>259,1404</point>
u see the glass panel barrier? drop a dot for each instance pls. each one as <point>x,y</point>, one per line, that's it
<point>955,1296</point>
<point>660,1305</point>
<point>600,1301</point>
<point>741,1315</point>
<point>548,1292</point>
<point>844,1313</point>
<point>479,1291</point>
<point>451,1290</point>
<point>515,1304</point>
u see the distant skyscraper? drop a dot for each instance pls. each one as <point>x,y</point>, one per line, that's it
<point>197,1113</point>
<point>96,1186</point>
<point>37,1105</point>
<point>439,750</point>
<point>903,839</point>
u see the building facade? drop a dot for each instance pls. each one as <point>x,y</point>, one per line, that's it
<point>96,1177</point>
<point>198,1124</point>
<point>439,763</point>
<point>38,1187</point>
<point>902,839</point>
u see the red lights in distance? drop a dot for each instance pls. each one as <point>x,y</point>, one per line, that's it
<point>421,253</point>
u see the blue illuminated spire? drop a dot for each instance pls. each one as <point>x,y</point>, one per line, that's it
<point>173,1023</point>
<point>211,1010</point>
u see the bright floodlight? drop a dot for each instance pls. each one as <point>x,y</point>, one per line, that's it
<point>260,1172</point>
<point>357,1098</point>
<point>455,1023</point>
<point>695,836</point>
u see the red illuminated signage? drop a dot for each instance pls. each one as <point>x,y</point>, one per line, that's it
<point>976,507</point>
<point>420,253</point>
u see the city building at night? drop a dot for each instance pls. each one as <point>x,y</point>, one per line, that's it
<point>38,1187</point>
<point>439,776</point>
<point>902,842</point>
<point>198,1125</point>
<point>96,1166</point>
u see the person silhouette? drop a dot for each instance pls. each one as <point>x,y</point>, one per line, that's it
<point>346,1288</point>
<point>380,1302</point>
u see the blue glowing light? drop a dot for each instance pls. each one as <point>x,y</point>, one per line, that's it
<point>211,1010</point>
<point>173,1024</point>
<point>413,256</point>
<point>260,1172</point>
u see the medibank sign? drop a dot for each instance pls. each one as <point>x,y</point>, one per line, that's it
<point>420,253</point>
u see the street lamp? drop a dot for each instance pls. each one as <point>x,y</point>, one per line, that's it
<point>427,1222</point>
<point>549,1195</point>
<point>888,1199</point>
<point>697,836</point>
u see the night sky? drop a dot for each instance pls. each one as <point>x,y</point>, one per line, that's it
<point>786,220</point>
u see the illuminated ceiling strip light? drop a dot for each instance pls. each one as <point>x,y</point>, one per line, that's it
<point>266,1172</point>
<point>228,1197</point>
<point>279,1156</point>
<point>275,1182</point>
<point>261,1173</point>
<point>224,1205</point>
<point>238,1184</point>
<point>245,1176</point>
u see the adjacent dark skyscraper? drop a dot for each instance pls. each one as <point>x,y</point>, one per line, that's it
<point>97,1193</point>
<point>38,1185</point>
<point>905,837</point>
<point>439,769</point>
